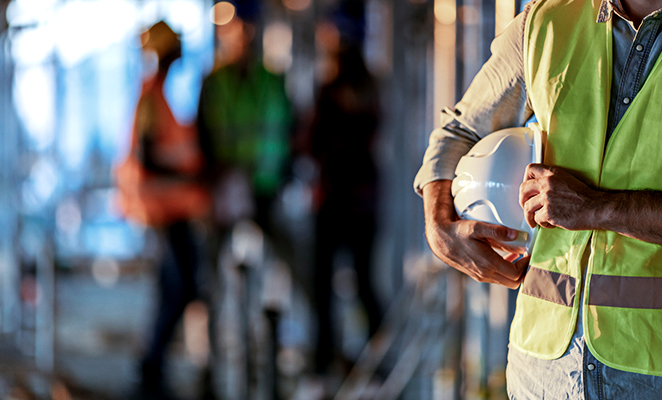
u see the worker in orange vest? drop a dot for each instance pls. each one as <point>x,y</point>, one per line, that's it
<point>159,186</point>
<point>157,181</point>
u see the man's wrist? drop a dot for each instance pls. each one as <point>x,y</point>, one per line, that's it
<point>438,202</point>
<point>606,209</point>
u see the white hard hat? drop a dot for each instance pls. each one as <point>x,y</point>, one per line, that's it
<point>487,179</point>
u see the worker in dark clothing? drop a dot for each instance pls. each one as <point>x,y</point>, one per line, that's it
<point>342,135</point>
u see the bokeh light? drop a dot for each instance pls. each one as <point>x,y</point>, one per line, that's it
<point>277,42</point>
<point>222,13</point>
<point>106,272</point>
<point>297,5</point>
<point>445,12</point>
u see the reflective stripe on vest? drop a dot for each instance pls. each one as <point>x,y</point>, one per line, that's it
<point>549,285</point>
<point>568,71</point>
<point>626,292</point>
<point>606,291</point>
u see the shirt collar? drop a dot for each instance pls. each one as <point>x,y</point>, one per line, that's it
<point>609,7</point>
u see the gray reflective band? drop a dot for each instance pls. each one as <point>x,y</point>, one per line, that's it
<point>625,292</point>
<point>551,286</point>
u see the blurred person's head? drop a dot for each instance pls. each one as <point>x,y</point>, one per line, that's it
<point>351,66</point>
<point>339,37</point>
<point>235,41</point>
<point>349,18</point>
<point>235,38</point>
<point>164,42</point>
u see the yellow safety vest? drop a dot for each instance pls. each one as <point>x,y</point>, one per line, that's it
<point>568,71</point>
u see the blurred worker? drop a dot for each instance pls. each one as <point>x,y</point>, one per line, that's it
<point>158,187</point>
<point>342,136</point>
<point>244,121</point>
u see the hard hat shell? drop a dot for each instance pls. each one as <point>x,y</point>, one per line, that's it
<point>487,179</point>
<point>161,39</point>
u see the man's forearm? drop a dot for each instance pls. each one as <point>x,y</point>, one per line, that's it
<point>438,202</point>
<point>636,214</point>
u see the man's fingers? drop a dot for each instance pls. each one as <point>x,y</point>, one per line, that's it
<point>498,279</point>
<point>510,247</point>
<point>503,270</point>
<point>528,189</point>
<point>542,218</point>
<point>483,230</point>
<point>535,171</point>
<point>518,269</point>
<point>522,265</point>
<point>531,208</point>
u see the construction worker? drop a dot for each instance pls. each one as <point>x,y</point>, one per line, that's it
<point>587,323</point>
<point>244,119</point>
<point>343,133</point>
<point>158,186</point>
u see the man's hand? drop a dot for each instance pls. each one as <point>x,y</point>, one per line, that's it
<point>467,245</point>
<point>551,197</point>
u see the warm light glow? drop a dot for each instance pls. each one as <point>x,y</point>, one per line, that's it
<point>297,5</point>
<point>277,42</point>
<point>196,328</point>
<point>444,54</point>
<point>445,12</point>
<point>222,13</point>
<point>505,12</point>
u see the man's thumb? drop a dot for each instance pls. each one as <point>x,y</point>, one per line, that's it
<point>498,232</point>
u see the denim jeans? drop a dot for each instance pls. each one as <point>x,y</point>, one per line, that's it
<point>577,375</point>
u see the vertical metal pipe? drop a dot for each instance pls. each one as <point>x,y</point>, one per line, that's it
<point>45,318</point>
<point>459,385</point>
<point>484,342</point>
<point>459,51</point>
<point>244,273</point>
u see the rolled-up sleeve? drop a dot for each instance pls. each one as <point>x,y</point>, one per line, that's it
<point>496,99</point>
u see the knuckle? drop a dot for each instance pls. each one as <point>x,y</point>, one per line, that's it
<point>480,276</point>
<point>471,229</point>
<point>500,231</point>
<point>550,183</point>
<point>461,229</point>
<point>497,232</point>
<point>543,219</point>
<point>484,274</point>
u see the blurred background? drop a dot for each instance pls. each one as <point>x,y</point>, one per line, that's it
<point>203,199</point>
